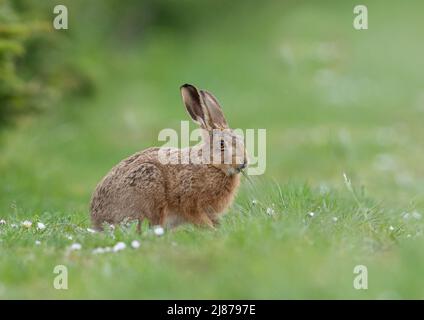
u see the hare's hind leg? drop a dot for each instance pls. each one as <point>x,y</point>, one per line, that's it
<point>201,219</point>
<point>157,218</point>
<point>139,223</point>
<point>149,192</point>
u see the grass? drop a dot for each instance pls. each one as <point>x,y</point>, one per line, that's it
<point>333,101</point>
<point>257,253</point>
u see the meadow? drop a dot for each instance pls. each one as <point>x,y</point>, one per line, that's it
<point>343,186</point>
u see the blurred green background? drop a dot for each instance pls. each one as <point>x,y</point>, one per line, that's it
<point>333,99</point>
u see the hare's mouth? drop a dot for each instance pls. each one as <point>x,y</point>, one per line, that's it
<point>232,171</point>
<point>241,167</point>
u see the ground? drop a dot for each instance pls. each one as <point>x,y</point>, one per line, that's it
<point>343,185</point>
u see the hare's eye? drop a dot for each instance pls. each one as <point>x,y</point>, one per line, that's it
<point>222,145</point>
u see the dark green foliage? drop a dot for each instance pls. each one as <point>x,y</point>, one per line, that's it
<point>37,63</point>
<point>34,72</point>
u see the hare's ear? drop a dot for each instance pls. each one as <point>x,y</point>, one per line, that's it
<point>194,105</point>
<point>215,117</point>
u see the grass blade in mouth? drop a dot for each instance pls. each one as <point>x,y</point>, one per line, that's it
<point>244,173</point>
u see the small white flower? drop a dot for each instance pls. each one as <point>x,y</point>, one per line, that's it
<point>335,219</point>
<point>112,227</point>
<point>91,230</point>
<point>37,242</point>
<point>119,246</point>
<point>135,244</point>
<point>254,202</point>
<point>98,251</point>
<point>14,225</point>
<point>270,211</point>
<point>69,237</point>
<point>311,214</point>
<point>75,246</point>
<point>27,224</point>
<point>2,221</point>
<point>391,228</point>
<point>41,226</point>
<point>158,230</point>
<point>416,215</point>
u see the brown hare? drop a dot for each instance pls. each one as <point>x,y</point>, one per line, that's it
<point>144,186</point>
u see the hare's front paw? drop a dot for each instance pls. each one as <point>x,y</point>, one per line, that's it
<point>216,222</point>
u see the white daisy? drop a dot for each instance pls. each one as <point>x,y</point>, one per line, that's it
<point>41,226</point>
<point>75,246</point>
<point>37,242</point>
<point>119,246</point>
<point>98,251</point>
<point>311,214</point>
<point>270,211</point>
<point>27,224</point>
<point>335,219</point>
<point>158,230</point>
<point>391,228</point>
<point>135,244</point>
<point>2,221</point>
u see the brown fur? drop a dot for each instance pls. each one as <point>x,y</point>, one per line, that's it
<point>142,187</point>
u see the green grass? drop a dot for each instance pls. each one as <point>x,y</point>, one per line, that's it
<point>333,101</point>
